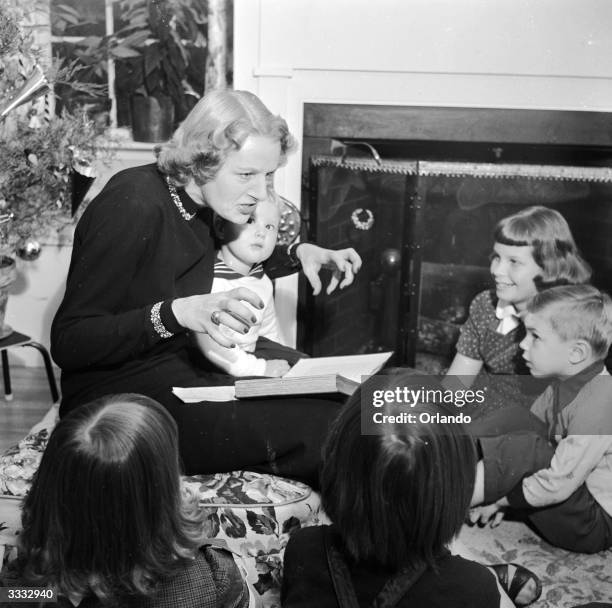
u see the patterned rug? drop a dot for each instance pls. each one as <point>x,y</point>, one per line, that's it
<point>568,579</point>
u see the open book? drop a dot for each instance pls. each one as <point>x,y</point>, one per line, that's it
<point>317,375</point>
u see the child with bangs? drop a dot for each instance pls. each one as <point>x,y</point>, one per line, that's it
<point>556,462</point>
<point>105,522</point>
<point>533,250</point>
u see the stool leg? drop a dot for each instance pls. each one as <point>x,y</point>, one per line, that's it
<point>48,366</point>
<point>6,374</point>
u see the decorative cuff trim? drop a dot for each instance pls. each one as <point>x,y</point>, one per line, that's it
<point>158,326</point>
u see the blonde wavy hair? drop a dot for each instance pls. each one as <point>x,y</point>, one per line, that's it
<point>219,123</point>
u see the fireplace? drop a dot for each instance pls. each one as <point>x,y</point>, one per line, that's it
<point>418,191</point>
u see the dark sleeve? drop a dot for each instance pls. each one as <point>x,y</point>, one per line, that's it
<point>268,349</point>
<point>280,263</point>
<point>482,584</point>
<point>231,587</point>
<point>211,579</point>
<point>516,497</point>
<point>103,318</point>
<point>305,572</point>
<point>459,582</point>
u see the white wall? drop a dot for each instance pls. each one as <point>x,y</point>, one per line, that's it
<point>537,54</point>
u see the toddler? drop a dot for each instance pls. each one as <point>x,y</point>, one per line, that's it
<point>239,264</point>
<point>557,462</point>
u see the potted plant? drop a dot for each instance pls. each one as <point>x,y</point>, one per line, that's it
<point>159,80</point>
<point>159,53</point>
<point>44,160</point>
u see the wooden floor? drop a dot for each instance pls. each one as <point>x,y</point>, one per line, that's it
<point>31,400</point>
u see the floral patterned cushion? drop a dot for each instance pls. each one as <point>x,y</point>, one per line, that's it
<point>253,512</point>
<point>19,463</point>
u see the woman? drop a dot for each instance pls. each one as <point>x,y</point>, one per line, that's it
<point>140,279</point>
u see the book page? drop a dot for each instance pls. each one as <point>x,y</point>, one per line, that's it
<point>204,393</point>
<point>349,366</point>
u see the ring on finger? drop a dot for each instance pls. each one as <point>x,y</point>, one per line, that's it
<point>215,317</point>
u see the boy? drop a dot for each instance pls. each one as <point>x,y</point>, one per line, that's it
<point>562,460</point>
<point>239,264</point>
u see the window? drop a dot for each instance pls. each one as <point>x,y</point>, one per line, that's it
<point>78,28</point>
<point>130,48</point>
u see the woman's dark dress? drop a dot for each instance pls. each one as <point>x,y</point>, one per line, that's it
<point>132,249</point>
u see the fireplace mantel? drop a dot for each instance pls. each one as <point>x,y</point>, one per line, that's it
<point>467,125</point>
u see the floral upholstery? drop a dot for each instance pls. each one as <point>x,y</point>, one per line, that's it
<point>19,463</point>
<point>253,512</point>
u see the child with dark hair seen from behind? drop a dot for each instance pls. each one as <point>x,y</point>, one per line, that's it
<point>396,499</point>
<point>555,461</point>
<point>105,523</point>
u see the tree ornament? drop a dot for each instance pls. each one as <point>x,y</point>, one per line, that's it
<point>29,250</point>
<point>289,224</point>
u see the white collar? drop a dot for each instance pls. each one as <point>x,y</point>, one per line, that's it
<point>508,315</point>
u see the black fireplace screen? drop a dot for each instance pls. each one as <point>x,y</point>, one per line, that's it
<point>424,231</point>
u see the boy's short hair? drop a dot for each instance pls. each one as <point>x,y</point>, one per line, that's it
<point>577,312</point>
<point>399,497</point>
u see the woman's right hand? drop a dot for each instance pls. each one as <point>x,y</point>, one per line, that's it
<point>196,313</point>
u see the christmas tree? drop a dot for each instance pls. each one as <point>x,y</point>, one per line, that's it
<point>45,160</point>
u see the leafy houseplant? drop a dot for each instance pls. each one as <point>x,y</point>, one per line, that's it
<point>159,52</point>
<point>39,153</point>
<point>165,41</point>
